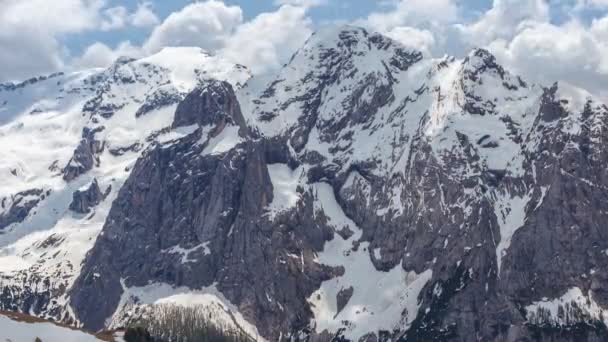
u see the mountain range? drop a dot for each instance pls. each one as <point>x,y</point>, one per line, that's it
<point>363,192</point>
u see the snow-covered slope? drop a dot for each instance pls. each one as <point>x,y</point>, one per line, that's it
<point>22,328</point>
<point>51,127</point>
<point>363,193</point>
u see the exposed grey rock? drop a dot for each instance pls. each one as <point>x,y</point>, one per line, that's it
<point>343,297</point>
<point>219,199</point>
<point>212,103</point>
<point>14,86</point>
<point>119,151</point>
<point>16,208</point>
<point>162,97</point>
<point>86,154</point>
<point>84,200</point>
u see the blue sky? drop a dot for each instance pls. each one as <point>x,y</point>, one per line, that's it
<point>334,10</point>
<point>346,10</point>
<point>546,39</point>
<point>341,10</point>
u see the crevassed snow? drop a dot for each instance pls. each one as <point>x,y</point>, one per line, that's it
<point>220,310</point>
<point>380,301</point>
<point>20,331</point>
<point>285,182</point>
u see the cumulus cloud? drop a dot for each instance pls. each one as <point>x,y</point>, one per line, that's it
<point>262,43</point>
<point>522,36</point>
<point>144,16</point>
<point>204,24</point>
<point>267,40</point>
<point>521,33</point>
<point>303,3</point>
<point>99,55</point>
<point>582,4</point>
<point>30,31</point>
<point>423,25</point>
<point>504,20</point>
<point>414,13</point>
<point>417,39</point>
<point>119,17</point>
<point>115,18</point>
<point>578,57</point>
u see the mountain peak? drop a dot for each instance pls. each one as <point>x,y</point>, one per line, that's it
<point>480,60</point>
<point>354,39</point>
<point>335,34</point>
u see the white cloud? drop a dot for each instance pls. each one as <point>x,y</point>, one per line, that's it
<point>30,29</point>
<point>417,39</point>
<point>144,16</point>
<point>267,40</point>
<point>523,38</point>
<point>599,28</point>
<point>205,24</point>
<point>414,13</point>
<point>32,33</point>
<point>579,56</point>
<point>115,18</point>
<point>519,32</point>
<point>423,25</point>
<point>262,43</point>
<point>594,4</point>
<point>504,20</point>
<point>50,16</point>
<point>302,3</point>
<point>99,55</point>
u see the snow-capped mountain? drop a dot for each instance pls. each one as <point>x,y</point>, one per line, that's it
<point>364,193</point>
<point>68,144</point>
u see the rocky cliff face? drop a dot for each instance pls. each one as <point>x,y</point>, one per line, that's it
<point>364,194</point>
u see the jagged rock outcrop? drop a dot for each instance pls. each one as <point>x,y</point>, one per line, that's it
<point>15,208</point>
<point>86,155</point>
<point>213,103</point>
<point>193,198</point>
<point>85,199</point>
<point>41,256</point>
<point>162,97</point>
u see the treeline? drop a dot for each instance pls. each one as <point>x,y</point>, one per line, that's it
<point>569,314</point>
<point>171,323</point>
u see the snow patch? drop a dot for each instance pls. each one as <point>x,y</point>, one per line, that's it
<point>511,215</point>
<point>17,331</point>
<point>225,141</point>
<point>284,188</point>
<point>380,300</point>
